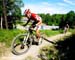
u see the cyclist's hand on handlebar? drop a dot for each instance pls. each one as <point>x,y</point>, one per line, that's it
<point>24,25</point>
<point>34,25</point>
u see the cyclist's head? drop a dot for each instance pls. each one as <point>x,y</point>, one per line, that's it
<point>27,11</point>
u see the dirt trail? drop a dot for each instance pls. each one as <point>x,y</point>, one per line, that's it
<point>33,51</point>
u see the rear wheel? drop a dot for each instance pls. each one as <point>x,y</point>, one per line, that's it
<point>21,44</point>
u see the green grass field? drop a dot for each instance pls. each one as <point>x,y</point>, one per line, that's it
<point>49,33</point>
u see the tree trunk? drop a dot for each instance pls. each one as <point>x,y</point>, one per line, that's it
<point>5,15</point>
<point>1,22</point>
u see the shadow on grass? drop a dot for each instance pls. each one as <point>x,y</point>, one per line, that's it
<point>66,48</point>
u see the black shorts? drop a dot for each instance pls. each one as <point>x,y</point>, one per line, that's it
<point>34,24</point>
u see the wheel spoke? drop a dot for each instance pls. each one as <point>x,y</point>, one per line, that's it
<point>21,44</point>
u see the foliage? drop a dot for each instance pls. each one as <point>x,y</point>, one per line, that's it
<point>62,22</point>
<point>63,50</point>
<point>56,18</point>
<point>0,7</point>
<point>10,8</point>
<point>59,19</point>
<point>48,53</point>
<point>66,48</point>
<point>71,18</point>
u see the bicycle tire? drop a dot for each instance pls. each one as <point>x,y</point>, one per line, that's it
<point>18,43</point>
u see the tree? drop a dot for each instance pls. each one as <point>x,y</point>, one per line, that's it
<point>10,8</point>
<point>59,19</point>
<point>43,17</point>
<point>56,18</point>
<point>62,21</point>
<point>47,19</point>
<point>4,13</point>
<point>1,19</point>
<point>70,18</point>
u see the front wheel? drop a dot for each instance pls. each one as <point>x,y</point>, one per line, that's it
<point>20,44</point>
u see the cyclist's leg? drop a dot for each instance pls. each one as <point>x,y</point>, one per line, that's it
<point>37,29</point>
<point>33,26</point>
<point>39,39</point>
<point>38,34</point>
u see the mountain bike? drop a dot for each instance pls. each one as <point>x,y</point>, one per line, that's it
<point>22,42</point>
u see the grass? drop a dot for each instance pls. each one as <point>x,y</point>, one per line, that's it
<point>48,53</point>
<point>50,32</point>
<point>6,36</point>
<point>72,30</point>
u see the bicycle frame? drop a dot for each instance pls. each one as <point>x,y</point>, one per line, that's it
<point>29,34</point>
<point>25,39</point>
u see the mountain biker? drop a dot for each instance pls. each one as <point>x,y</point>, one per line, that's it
<point>37,21</point>
<point>66,28</point>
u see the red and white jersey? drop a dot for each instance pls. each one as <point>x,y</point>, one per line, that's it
<point>35,17</point>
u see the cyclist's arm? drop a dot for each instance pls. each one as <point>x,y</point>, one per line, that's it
<point>27,22</point>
